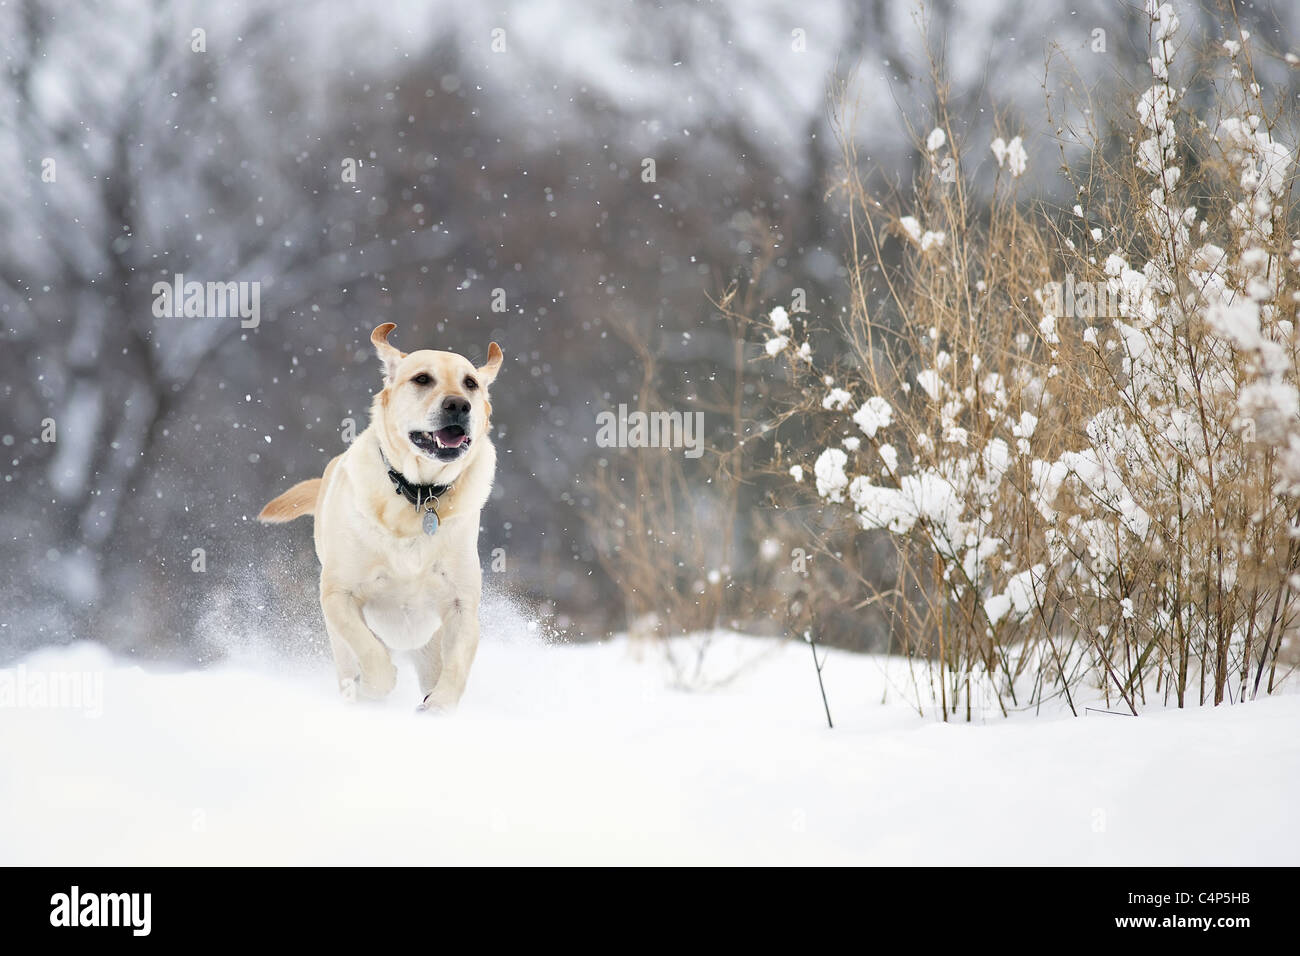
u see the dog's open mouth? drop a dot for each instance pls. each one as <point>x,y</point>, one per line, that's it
<point>445,444</point>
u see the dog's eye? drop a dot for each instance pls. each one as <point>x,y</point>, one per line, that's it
<point>423,379</point>
<point>470,384</point>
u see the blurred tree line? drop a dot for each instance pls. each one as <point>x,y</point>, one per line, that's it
<point>403,165</point>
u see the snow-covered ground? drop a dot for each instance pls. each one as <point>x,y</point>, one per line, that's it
<point>584,754</point>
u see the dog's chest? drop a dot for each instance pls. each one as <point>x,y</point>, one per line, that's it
<point>406,600</point>
<point>403,625</point>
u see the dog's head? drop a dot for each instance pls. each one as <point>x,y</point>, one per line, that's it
<point>434,405</point>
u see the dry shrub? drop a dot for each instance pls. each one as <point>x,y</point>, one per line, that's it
<point>1079,428</point>
<point>679,536</point>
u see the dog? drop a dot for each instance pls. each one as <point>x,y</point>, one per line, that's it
<point>396,525</point>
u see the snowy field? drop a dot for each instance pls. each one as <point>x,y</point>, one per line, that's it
<point>584,754</point>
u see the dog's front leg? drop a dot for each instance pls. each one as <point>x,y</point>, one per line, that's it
<point>458,643</point>
<point>428,663</point>
<point>364,664</point>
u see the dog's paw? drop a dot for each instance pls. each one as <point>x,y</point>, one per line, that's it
<point>348,688</point>
<point>431,706</point>
<point>378,679</point>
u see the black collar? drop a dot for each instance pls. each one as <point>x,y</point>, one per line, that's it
<point>418,495</point>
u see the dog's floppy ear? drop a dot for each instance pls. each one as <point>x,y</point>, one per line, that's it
<point>387,354</point>
<point>488,372</point>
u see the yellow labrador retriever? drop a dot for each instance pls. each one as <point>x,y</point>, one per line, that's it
<point>397,518</point>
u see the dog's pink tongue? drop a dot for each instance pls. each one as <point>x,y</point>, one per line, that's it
<point>451,438</point>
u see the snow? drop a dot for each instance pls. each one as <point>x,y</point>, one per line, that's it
<point>1027,425</point>
<point>874,415</point>
<point>1153,107</point>
<point>999,147</point>
<point>1023,594</point>
<point>829,470</point>
<point>889,455</point>
<point>929,380</point>
<point>1012,153</point>
<point>1166,22</point>
<point>775,344</point>
<point>836,398</point>
<point>586,754</point>
<point>1047,327</point>
<point>1017,158</point>
<point>933,240</point>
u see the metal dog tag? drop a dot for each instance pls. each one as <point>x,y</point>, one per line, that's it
<point>430,521</point>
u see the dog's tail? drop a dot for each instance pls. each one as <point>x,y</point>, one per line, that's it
<point>297,501</point>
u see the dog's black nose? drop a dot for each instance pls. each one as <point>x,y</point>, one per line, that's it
<point>455,405</point>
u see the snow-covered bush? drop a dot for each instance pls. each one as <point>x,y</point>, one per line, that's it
<point>1082,431</point>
